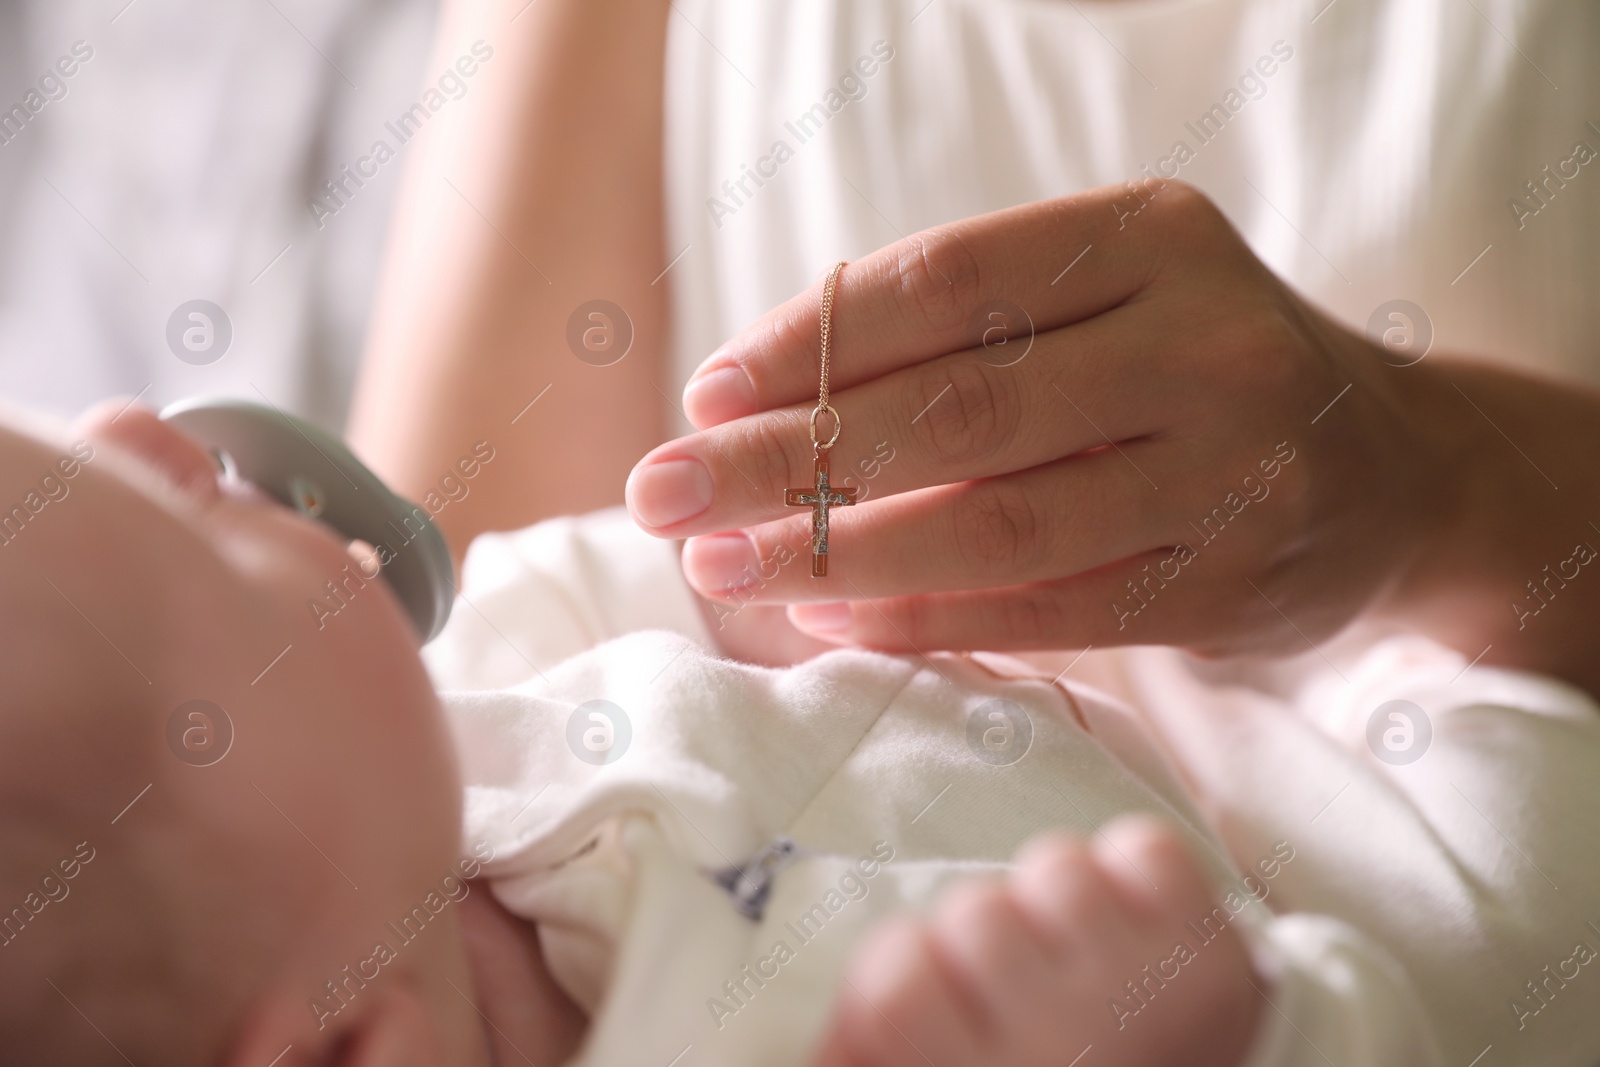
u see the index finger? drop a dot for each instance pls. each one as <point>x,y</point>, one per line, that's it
<point>930,294</point>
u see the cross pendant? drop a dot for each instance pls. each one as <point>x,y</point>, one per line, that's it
<point>819,498</point>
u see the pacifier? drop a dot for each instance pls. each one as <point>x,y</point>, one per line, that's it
<point>312,471</point>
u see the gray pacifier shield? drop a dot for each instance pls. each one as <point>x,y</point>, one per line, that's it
<point>310,470</point>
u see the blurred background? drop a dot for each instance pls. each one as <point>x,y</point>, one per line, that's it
<point>159,160</point>
<point>177,162</point>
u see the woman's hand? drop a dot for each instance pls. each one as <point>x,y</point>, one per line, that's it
<point>1093,420</point>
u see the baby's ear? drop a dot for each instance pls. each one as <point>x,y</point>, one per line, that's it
<point>384,1027</point>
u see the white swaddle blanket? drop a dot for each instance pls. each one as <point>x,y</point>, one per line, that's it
<point>703,856</point>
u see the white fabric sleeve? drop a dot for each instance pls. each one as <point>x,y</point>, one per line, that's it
<point>536,596</point>
<point>1332,996</point>
<point>1444,810</point>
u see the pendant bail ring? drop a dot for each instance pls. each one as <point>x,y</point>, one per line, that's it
<point>823,446</point>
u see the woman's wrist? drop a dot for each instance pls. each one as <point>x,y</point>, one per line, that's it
<point>1448,492</point>
<point>1502,498</point>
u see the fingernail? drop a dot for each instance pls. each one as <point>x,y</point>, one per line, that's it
<point>714,564</point>
<point>821,619</point>
<point>660,494</point>
<point>719,396</point>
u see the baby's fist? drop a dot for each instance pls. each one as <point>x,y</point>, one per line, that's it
<point>1030,972</point>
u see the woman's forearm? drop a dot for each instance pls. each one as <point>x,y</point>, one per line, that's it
<point>536,192</point>
<point>1513,574</point>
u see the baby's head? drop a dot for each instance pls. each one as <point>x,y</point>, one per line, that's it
<point>180,886</point>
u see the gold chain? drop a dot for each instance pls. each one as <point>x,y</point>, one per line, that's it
<point>828,289</point>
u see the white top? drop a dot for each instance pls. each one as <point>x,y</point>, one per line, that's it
<point>185,153</point>
<point>1375,162</point>
<point>1419,901</point>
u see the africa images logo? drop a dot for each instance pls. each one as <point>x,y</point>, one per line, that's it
<point>199,332</point>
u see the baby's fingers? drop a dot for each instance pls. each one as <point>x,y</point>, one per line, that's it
<point>1153,866</point>
<point>898,1008</point>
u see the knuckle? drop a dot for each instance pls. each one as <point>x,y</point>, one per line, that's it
<point>1143,836</point>
<point>999,531</point>
<point>1033,616</point>
<point>911,624</point>
<point>1254,353</point>
<point>1181,882</point>
<point>968,413</point>
<point>793,331</point>
<point>975,920</point>
<point>1193,228</point>
<point>901,992</point>
<point>1053,858</point>
<point>1265,344</point>
<point>938,277</point>
<point>767,453</point>
<point>1186,205</point>
<point>1053,850</point>
<point>863,1029</point>
<point>975,904</point>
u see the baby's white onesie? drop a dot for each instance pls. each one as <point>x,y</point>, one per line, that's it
<point>702,843</point>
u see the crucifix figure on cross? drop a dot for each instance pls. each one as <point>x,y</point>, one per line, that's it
<point>819,498</point>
